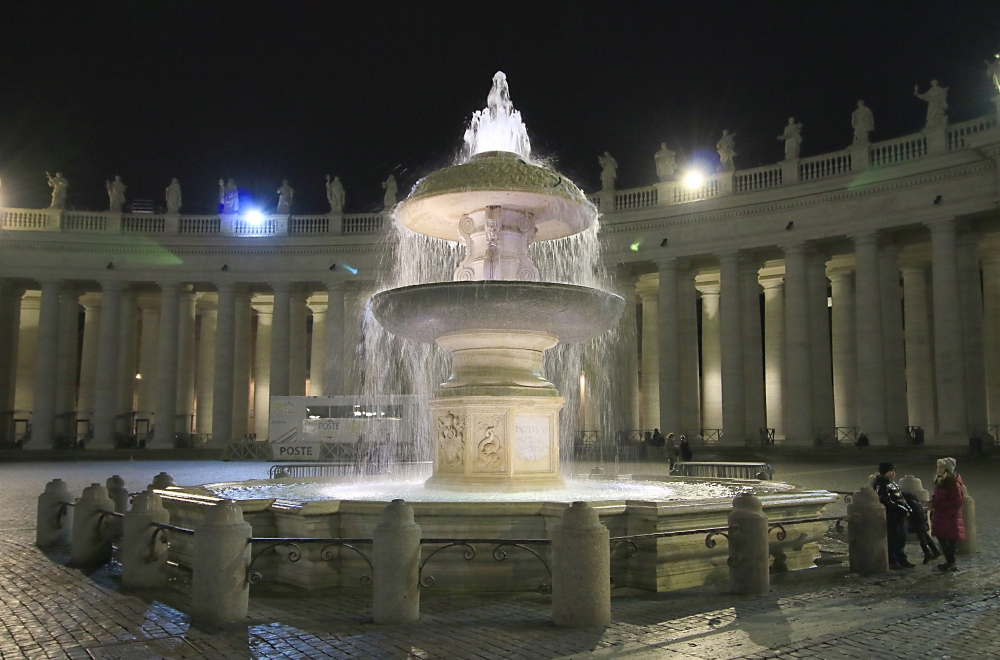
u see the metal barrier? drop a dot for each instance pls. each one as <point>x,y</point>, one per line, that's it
<point>247,451</point>
<point>301,470</point>
<point>295,552</point>
<point>721,470</point>
<point>498,554</point>
<point>766,436</point>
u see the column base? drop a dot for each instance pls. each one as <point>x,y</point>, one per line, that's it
<point>956,439</point>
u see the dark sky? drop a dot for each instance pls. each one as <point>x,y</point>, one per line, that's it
<point>265,91</point>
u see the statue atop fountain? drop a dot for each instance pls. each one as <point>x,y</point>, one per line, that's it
<point>496,419</point>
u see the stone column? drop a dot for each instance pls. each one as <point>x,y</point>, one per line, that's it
<point>668,349</point>
<point>991,334</point>
<point>317,350</point>
<point>128,346</point>
<point>711,358</point>
<point>731,338</point>
<point>336,361</point>
<point>106,379</point>
<point>88,356</point>
<point>149,341</point>
<point>69,335</point>
<point>297,344</point>
<point>896,413</point>
<point>919,358</point>
<point>243,359</point>
<point>27,333</point>
<point>166,367</point>
<point>821,366</point>
<point>186,350</point>
<point>46,367</point>
<point>753,357</point>
<point>871,356</point>
<point>222,328</point>
<point>971,295</point>
<point>627,355</point>
<point>949,352</point>
<point>797,396</point>
<point>687,332</point>
<point>774,352</point>
<point>206,365</point>
<point>10,321</point>
<point>280,339</point>
<point>845,349</point>
<point>648,291</point>
<point>262,366</point>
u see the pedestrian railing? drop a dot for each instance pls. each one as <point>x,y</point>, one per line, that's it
<point>294,552</point>
<point>498,554</point>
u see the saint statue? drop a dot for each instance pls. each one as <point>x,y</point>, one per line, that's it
<point>993,71</point>
<point>863,122</point>
<point>937,104</point>
<point>335,194</point>
<point>390,187</point>
<point>59,186</point>
<point>285,195</point>
<point>174,197</point>
<point>229,197</point>
<point>666,163</point>
<point>726,146</point>
<point>793,139</point>
<point>609,171</point>
<point>116,194</point>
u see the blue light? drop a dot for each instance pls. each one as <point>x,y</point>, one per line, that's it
<point>353,271</point>
<point>254,217</point>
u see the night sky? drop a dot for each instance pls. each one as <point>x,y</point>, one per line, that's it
<point>265,91</point>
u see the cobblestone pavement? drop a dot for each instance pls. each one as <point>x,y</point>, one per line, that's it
<point>48,610</point>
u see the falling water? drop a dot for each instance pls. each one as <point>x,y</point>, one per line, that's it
<point>388,365</point>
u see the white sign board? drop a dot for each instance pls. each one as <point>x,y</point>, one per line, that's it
<point>531,437</point>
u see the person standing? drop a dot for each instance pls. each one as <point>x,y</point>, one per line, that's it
<point>685,449</point>
<point>896,514</point>
<point>917,525</point>
<point>946,511</point>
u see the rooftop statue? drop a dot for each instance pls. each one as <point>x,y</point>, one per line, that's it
<point>229,197</point>
<point>609,171</point>
<point>993,71</point>
<point>285,196</point>
<point>863,122</point>
<point>726,146</point>
<point>793,139</point>
<point>335,194</point>
<point>390,187</point>
<point>666,163</point>
<point>116,194</point>
<point>59,186</point>
<point>937,104</point>
<point>174,197</point>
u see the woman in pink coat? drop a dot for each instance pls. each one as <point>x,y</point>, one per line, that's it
<point>946,510</point>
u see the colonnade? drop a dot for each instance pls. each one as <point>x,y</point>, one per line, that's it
<point>857,336</point>
<point>205,360</point>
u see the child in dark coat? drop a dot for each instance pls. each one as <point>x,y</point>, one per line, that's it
<point>916,524</point>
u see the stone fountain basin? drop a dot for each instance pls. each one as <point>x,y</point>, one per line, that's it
<point>425,312</point>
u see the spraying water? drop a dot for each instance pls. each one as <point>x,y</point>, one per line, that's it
<point>497,127</point>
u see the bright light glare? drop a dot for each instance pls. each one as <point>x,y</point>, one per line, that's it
<point>694,179</point>
<point>254,217</point>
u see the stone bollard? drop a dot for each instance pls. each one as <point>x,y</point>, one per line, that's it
<point>749,553</point>
<point>968,545</point>
<point>581,569</point>
<point>396,559</point>
<point>220,591</point>
<point>866,533</point>
<point>161,481</point>
<point>914,486</point>
<point>91,544</point>
<point>51,528</point>
<point>119,495</point>
<point>143,562</point>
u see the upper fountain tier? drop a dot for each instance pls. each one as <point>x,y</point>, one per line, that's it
<point>442,199</point>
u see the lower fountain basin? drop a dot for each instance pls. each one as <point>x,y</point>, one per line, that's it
<point>424,312</point>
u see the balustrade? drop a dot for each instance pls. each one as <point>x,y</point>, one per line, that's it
<point>709,189</point>
<point>25,219</point>
<point>200,224</point>
<point>309,224</point>
<point>899,150</point>
<point>143,223</point>
<point>820,167</point>
<point>77,221</point>
<point>759,178</point>
<point>958,132</point>
<point>363,223</point>
<point>635,199</point>
<point>244,227</point>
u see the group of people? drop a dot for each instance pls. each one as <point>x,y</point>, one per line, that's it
<point>904,512</point>
<point>675,450</point>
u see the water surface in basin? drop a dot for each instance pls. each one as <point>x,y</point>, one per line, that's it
<point>413,490</point>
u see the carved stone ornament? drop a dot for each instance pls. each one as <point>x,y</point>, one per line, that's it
<point>491,444</point>
<point>451,442</point>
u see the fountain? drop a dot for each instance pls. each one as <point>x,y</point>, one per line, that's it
<point>495,421</point>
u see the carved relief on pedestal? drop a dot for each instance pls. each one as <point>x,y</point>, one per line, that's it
<point>451,442</point>
<point>465,273</point>
<point>490,450</point>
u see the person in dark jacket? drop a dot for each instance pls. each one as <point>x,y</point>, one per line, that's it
<point>946,510</point>
<point>917,525</point>
<point>896,514</point>
<point>685,448</point>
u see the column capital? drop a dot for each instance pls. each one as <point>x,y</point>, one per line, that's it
<point>890,250</point>
<point>708,288</point>
<point>729,257</point>
<point>281,287</point>
<point>148,302</point>
<point>90,300</point>
<point>970,238</point>
<point>109,285</point>
<point>299,296</point>
<point>839,274</point>
<point>945,224</point>
<point>164,285</point>
<point>794,248</point>
<point>667,263</point>
<point>865,238</point>
<point>263,305</point>
<point>648,285</point>
<point>772,282</point>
